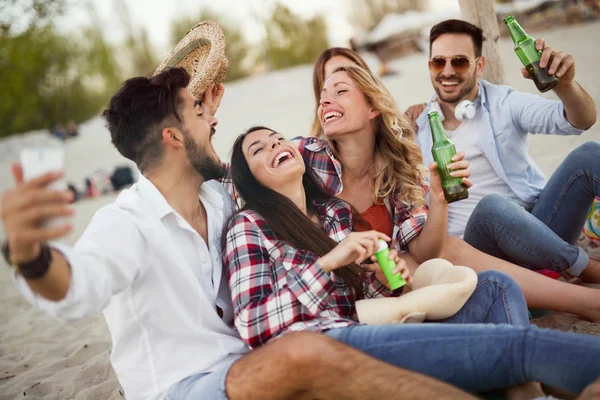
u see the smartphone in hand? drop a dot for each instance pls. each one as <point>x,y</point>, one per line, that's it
<point>38,161</point>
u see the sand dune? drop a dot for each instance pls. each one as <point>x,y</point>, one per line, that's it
<point>40,358</point>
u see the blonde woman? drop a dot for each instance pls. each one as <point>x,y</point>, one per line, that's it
<point>368,158</point>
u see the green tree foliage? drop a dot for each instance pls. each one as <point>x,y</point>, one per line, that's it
<point>49,78</point>
<point>290,40</point>
<point>27,13</point>
<point>236,50</point>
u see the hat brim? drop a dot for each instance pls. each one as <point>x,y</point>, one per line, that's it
<point>440,290</point>
<point>201,53</point>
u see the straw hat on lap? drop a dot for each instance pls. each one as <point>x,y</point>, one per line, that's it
<point>440,290</point>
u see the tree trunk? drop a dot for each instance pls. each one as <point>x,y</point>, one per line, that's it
<point>482,14</point>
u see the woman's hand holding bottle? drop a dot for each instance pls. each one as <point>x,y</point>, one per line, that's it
<point>356,248</point>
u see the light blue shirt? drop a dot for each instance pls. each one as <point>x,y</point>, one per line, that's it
<point>504,118</point>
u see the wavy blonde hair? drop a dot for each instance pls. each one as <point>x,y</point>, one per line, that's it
<point>398,166</point>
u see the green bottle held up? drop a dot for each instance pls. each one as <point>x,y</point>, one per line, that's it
<point>530,56</point>
<point>443,150</point>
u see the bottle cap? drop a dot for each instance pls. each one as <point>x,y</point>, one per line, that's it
<point>382,245</point>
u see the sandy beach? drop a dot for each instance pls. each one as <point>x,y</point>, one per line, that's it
<point>43,359</point>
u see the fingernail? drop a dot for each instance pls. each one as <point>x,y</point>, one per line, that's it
<point>453,173</point>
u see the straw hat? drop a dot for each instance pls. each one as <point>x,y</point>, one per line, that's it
<point>202,53</point>
<point>440,290</point>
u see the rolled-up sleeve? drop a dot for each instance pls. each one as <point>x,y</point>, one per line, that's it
<point>534,114</point>
<point>107,258</point>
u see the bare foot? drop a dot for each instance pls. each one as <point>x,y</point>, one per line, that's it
<point>592,273</point>
<point>591,392</point>
<point>525,391</point>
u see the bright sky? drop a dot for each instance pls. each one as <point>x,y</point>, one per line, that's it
<point>156,15</point>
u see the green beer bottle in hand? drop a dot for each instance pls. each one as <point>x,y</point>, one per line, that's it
<point>530,56</point>
<point>443,150</point>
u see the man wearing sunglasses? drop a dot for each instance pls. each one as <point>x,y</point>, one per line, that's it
<point>512,211</point>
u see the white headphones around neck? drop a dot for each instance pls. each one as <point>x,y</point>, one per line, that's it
<point>465,109</point>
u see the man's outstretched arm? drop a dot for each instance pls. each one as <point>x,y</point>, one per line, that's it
<point>579,106</point>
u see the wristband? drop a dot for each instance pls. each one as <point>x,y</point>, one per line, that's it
<point>34,269</point>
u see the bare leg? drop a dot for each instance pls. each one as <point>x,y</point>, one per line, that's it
<point>540,291</point>
<point>525,391</point>
<point>592,392</point>
<point>592,272</point>
<point>310,365</point>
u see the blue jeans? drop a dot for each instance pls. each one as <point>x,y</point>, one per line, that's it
<point>543,238</point>
<point>497,299</point>
<point>208,385</point>
<point>477,350</point>
<point>481,357</point>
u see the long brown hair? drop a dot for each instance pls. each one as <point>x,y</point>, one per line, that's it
<point>319,76</point>
<point>286,220</point>
<point>398,167</point>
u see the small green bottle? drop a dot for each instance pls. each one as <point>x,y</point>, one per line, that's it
<point>395,280</point>
<point>530,56</point>
<point>443,150</point>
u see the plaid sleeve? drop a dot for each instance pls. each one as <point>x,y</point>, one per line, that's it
<point>374,289</point>
<point>414,221</point>
<point>270,294</point>
<point>409,222</point>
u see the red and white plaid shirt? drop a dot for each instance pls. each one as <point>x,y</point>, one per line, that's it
<point>408,221</point>
<point>277,288</point>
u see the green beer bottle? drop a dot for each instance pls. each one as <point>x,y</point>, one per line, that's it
<point>443,150</point>
<point>530,56</point>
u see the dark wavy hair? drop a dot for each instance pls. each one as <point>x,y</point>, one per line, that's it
<point>460,27</point>
<point>286,220</point>
<point>140,110</point>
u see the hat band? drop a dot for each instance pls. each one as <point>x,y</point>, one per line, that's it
<point>184,51</point>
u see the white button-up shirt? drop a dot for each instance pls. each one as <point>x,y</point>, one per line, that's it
<point>159,285</point>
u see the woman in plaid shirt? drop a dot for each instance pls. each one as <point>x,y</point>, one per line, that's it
<point>287,272</point>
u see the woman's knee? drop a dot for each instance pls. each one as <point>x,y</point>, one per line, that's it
<point>500,281</point>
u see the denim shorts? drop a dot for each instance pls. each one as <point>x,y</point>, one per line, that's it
<point>208,385</point>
